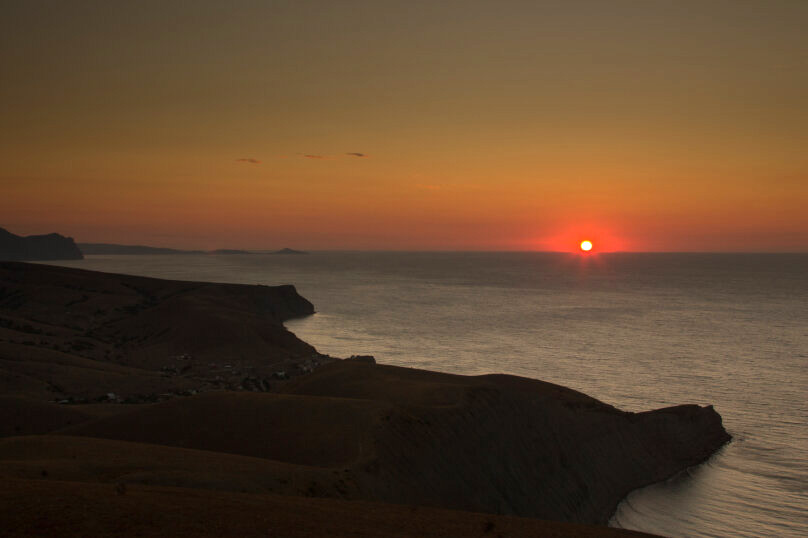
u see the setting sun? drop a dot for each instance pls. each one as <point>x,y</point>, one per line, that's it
<point>586,246</point>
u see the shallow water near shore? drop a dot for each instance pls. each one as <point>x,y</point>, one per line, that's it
<point>638,331</point>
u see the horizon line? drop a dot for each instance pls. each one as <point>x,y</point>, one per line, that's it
<point>459,251</point>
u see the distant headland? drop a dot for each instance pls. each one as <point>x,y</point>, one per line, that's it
<point>116,249</point>
<point>112,248</point>
<point>37,247</point>
<point>229,251</point>
<point>58,247</point>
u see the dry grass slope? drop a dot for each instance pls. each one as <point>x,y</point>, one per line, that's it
<point>33,508</point>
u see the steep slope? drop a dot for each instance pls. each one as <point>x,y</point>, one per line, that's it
<point>37,247</point>
<point>496,444</point>
<point>511,445</point>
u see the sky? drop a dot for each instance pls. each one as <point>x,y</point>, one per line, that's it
<point>643,125</point>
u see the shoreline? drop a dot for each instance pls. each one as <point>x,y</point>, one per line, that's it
<point>496,443</point>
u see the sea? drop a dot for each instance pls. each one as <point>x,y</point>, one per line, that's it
<point>638,331</point>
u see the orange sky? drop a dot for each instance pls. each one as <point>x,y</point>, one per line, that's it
<point>481,125</point>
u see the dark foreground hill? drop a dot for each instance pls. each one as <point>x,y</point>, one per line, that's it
<point>54,508</point>
<point>37,247</point>
<point>313,455</point>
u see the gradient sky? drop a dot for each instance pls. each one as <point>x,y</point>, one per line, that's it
<point>508,125</point>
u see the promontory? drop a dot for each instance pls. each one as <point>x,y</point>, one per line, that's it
<point>37,247</point>
<point>137,406</point>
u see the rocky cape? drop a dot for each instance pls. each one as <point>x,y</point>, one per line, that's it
<point>122,389</point>
<point>37,247</point>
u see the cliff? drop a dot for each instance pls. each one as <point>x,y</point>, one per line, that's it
<point>37,247</point>
<point>510,445</point>
<point>73,335</point>
<point>226,402</point>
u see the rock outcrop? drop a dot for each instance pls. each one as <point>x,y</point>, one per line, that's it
<point>510,445</point>
<point>37,247</point>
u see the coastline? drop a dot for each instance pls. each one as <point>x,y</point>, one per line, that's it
<point>412,423</point>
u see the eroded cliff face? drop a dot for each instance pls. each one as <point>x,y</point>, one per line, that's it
<point>509,445</point>
<point>37,247</point>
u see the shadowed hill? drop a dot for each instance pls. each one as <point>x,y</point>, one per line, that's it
<point>512,445</point>
<point>30,508</point>
<point>68,334</point>
<point>87,459</point>
<point>497,444</point>
<point>21,416</point>
<point>321,432</point>
<point>209,357</point>
<point>37,247</point>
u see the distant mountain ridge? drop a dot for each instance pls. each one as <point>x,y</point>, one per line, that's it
<point>115,249</point>
<point>112,248</point>
<point>37,247</point>
<point>228,251</point>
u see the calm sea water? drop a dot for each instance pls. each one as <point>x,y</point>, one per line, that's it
<point>639,331</point>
